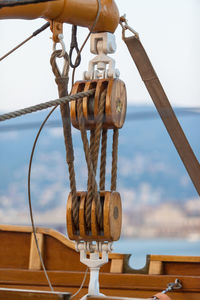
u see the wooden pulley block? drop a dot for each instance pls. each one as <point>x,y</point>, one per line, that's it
<point>112,218</point>
<point>115,103</point>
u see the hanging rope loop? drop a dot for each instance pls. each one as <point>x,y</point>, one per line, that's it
<point>55,68</point>
<point>74,46</point>
<point>62,80</point>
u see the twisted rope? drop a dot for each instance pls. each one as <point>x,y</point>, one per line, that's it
<point>45,105</point>
<point>92,139</point>
<point>62,83</point>
<point>103,160</point>
<point>92,190</point>
<point>98,128</point>
<point>114,160</point>
<point>94,152</point>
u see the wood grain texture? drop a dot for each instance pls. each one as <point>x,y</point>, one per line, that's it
<point>112,218</point>
<point>14,249</point>
<point>115,104</point>
<point>175,258</point>
<point>59,252</point>
<point>191,269</point>
<point>119,285</point>
<point>7,229</point>
<point>66,272</point>
<point>34,259</point>
<point>113,298</point>
<point>116,266</point>
<point>164,109</point>
<point>180,265</point>
<point>155,267</point>
<point>17,294</point>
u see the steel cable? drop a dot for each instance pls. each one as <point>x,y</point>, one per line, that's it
<point>35,33</point>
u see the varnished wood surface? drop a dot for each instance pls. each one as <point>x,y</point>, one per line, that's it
<point>168,264</point>
<point>115,104</point>
<point>175,258</point>
<point>28,229</point>
<point>58,252</point>
<point>17,294</point>
<point>34,259</point>
<point>113,298</point>
<point>119,285</point>
<point>66,272</point>
<point>112,218</point>
<point>12,245</point>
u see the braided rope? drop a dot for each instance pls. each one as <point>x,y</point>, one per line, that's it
<point>45,105</point>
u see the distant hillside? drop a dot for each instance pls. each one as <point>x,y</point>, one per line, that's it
<point>150,171</point>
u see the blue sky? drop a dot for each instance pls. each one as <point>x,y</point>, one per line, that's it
<point>169,30</point>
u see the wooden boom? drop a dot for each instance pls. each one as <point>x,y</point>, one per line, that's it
<point>77,12</point>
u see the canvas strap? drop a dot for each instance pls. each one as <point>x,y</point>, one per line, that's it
<point>164,108</point>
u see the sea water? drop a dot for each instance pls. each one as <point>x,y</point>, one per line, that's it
<point>139,248</point>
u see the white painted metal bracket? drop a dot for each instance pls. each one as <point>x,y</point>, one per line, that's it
<point>102,66</point>
<point>94,262</point>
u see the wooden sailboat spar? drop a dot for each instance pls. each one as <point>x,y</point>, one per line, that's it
<point>81,13</point>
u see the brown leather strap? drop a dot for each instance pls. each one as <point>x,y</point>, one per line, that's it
<point>164,108</point>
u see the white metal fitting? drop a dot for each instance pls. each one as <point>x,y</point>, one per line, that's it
<point>94,262</point>
<point>102,66</point>
<point>60,37</point>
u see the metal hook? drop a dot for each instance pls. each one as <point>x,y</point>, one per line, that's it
<point>170,288</point>
<point>124,24</point>
<point>60,37</point>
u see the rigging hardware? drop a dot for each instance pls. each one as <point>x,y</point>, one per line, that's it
<point>161,103</point>
<point>124,24</point>
<point>114,112</point>
<point>94,216</point>
<point>97,214</point>
<point>61,42</point>
<point>35,33</point>
<point>94,262</point>
<point>92,29</point>
<point>101,44</point>
<point>112,218</point>
<point>172,286</point>
<point>74,46</point>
